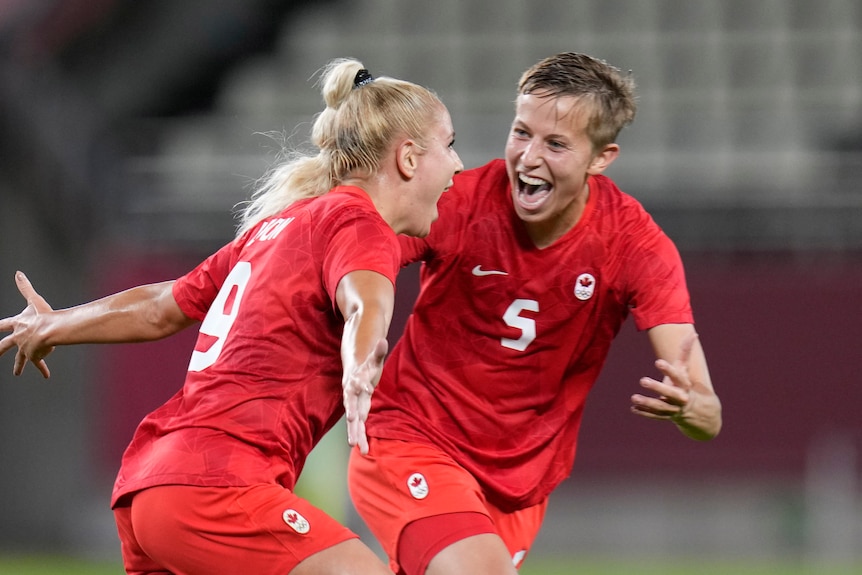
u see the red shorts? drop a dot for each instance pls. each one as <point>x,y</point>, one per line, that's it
<point>400,484</point>
<point>263,529</point>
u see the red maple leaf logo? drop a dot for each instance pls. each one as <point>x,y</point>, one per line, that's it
<point>291,517</point>
<point>586,282</point>
<point>417,481</point>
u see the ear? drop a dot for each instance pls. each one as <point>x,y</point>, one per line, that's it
<point>603,159</point>
<point>406,159</point>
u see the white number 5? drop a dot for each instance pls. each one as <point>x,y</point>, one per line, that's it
<point>513,318</point>
<point>221,315</point>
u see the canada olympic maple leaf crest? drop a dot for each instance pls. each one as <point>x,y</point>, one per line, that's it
<point>418,486</point>
<point>296,521</point>
<point>585,285</point>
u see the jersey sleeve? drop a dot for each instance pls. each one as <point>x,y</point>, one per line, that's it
<point>658,293</point>
<point>195,291</point>
<point>360,242</point>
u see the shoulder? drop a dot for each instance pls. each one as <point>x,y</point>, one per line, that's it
<point>619,211</point>
<point>344,205</point>
<point>610,195</point>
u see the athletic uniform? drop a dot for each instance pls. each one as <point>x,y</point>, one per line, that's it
<point>503,346</point>
<point>263,387</point>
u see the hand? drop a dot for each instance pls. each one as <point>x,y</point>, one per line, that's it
<point>675,396</point>
<point>24,328</point>
<point>358,386</point>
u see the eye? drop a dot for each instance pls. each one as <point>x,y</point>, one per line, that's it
<point>520,133</point>
<point>556,144</point>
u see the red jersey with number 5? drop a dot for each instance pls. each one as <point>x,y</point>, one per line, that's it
<point>264,379</point>
<point>506,340</point>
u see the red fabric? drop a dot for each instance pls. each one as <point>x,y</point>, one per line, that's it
<point>506,340</point>
<point>424,538</point>
<point>399,487</point>
<point>264,380</point>
<point>183,530</point>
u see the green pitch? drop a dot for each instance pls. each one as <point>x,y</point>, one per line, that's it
<point>680,567</point>
<point>52,565</point>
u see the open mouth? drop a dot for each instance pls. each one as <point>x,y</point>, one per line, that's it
<point>532,192</point>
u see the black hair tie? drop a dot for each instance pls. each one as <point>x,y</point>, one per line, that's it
<point>362,77</point>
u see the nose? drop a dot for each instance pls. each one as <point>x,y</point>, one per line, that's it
<point>459,165</point>
<point>531,155</point>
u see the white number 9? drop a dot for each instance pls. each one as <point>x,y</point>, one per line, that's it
<point>221,315</point>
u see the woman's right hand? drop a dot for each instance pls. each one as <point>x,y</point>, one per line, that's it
<point>26,333</point>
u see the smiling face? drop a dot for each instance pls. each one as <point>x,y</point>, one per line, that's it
<point>549,158</point>
<point>436,164</point>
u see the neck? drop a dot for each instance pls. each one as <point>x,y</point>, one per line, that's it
<point>383,193</point>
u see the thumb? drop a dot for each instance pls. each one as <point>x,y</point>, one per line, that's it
<point>29,293</point>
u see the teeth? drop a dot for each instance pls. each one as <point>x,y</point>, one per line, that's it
<point>531,181</point>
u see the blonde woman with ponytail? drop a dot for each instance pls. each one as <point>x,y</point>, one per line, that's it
<point>293,314</point>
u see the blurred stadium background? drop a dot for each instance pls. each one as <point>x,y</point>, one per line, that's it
<point>129,130</point>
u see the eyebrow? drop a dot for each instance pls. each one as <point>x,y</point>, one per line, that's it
<point>519,122</point>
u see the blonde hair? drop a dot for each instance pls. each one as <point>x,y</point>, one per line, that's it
<point>352,135</point>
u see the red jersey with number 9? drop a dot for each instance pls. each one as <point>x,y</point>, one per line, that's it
<point>506,340</point>
<point>264,379</point>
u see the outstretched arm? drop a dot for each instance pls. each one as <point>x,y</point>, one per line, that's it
<point>366,300</point>
<point>685,395</point>
<point>143,313</point>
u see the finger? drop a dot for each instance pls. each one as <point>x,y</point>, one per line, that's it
<point>42,366</point>
<point>673,393</point>
<point>361,439</point>
<point>350,409</point>
<point>658,406</point>
<point>29,292</point>
<point>649,414</point>
<point>356,436</point>
<point>351,435</point>
<point>639,410</point>
<point>24,286</point>
<point>6,344</point>
<point>677,374</point>
<point>20,362</point>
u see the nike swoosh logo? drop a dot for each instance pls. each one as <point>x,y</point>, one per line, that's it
<point>478,271</point>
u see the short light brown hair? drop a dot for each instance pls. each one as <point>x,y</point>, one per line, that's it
<point>610,92</point>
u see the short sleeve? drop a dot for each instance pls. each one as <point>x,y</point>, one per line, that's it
<point>658,290</point>
<point>195,291</point>
<point>360,242</point>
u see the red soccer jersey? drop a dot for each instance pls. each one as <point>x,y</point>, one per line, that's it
<point>506,340</point>
<point>264,380</point>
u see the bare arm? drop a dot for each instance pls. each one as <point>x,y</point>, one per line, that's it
<point>143,313</point>
<point>685,395</point>
<point>366,300</point>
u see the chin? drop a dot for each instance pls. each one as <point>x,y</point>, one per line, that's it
<point>525,214</point>
<point>417,232</point>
